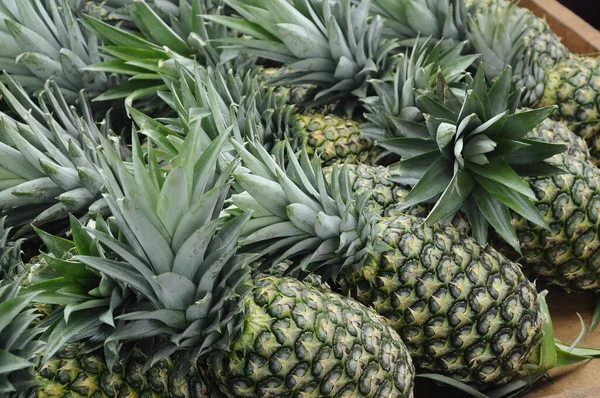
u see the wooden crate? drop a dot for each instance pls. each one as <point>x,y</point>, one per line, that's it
<point>578,35</point>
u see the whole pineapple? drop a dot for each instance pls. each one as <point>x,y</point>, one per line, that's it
<point>256,110</point>
<point>257,335</point>
<point>462,309</point>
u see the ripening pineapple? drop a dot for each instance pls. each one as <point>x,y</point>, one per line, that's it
<point>334,46</point>
<point>409,20</point>
<point>256,109</point>
<point>573,84</point>
<point>542,65</point>
<point>184,36</point>
<point>48,156</point>
<point>568,253</point>
<point>19,344</point>
<point>462,309</point>
<point>42,39</point>
<point>73,372</point>
<point>258,335</point>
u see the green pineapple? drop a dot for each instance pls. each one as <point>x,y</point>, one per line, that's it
<point>42,39</point>
<point>185,35</point>
<point>19,345</point>
<point>573,84</point>
<point>471,153</point>
<point>48,155</point>
<point>334,46</point>
<point>462,309</point>
<point>568,253</point>
<point>506,34</point>
<point>73,372</point>
<point>407,20</point>
<point>254,109</point>
<point>11,264</point>
<point>256,335</point>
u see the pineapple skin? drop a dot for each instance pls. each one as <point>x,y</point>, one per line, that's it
<point>298,340</point>
<point>70,374</point>
<point>574,85</point>
<point>569,254</point>
<point>462,310</point>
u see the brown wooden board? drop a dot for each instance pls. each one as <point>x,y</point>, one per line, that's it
<point>578,35</point>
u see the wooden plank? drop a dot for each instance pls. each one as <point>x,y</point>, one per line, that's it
<point>578,35</point>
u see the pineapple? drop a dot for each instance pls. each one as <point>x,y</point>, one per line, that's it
<point>542,65</point>
<point>48,154</point>
<point>470,154</point>
<point>568,253</point>
<point>245,101</point>
<point>407,20</point>
<point>565,254</point>
<point>72,372</point>
<point>573,84</point>
<point>182,37</point>
<point>42,39</point>
<point>19,345</point>
<point>258,336</point>
<point>462,309</point>
<point>11,264</point>
<point>333,45</point>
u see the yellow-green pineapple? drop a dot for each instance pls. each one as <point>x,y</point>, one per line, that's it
<point>256,109</point>
<point>462,309</point>
<point>257,335</point>
<point>73,372</point>
<point>550,74</point>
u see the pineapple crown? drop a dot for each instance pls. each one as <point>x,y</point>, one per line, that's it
<point>409,20</point>
<point>48,157</point>
<point>19,345</point>
<point>163,42</point>
<point>470,154</point>
<point>88,300</point>
<point>333,45</point>
<point>11,264</point>
<point>241,101</point>
<point>505,34</point>
<point>297,214</point>
<point>179,255</point>
<point>43,40</point>
<point>416,69</point>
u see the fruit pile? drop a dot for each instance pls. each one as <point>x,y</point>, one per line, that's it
<point>290,198</point>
